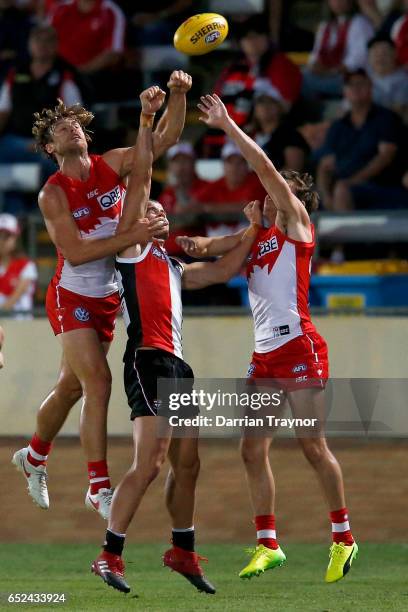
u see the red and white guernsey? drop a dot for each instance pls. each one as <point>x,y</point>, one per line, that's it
<point>96,206</point>
<point>278,272</point>
<point>150,291</point>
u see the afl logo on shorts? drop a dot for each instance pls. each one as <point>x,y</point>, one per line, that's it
<point>110,198</point>
<point>81,314</point>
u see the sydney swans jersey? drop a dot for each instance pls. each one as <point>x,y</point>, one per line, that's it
<point>96,206</point>
<point>278,272</point>
<point>150,291</point>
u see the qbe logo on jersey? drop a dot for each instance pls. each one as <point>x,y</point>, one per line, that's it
<point>110,198</point>
<point>268,246</point>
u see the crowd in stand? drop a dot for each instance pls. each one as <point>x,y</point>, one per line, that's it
<point>342,116</point>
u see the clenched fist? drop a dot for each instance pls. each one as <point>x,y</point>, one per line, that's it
<point>179,82</point>
<point>152,99</point>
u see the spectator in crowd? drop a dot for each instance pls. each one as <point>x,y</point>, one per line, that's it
<point>282,143</point>
<point>154,22</point>
<point>399,34</point>
<point>15,26</point>
<point>382,13</point>
<point>390,81</point>
<point>260,61</point>
<point>340,45</point>
<point>179,196</point>
<point>29,87</point>
<point>226,197</point>
<point>98,27</point>
<point>18,274</point>
<point>363,157</point>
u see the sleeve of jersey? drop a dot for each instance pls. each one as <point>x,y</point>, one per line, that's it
<point>29,272</point>
<point>178,264</point>
<point>116,39</point>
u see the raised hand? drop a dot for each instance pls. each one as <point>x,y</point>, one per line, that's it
<point>180,82</point>
<point>152,99</point>
<point>253,212</point>
<point>214,112</point>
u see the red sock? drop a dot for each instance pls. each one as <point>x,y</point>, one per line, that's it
<point>341,531</point>
<point>265,530</point>
<point>38,451</point>
<point>98,476</point>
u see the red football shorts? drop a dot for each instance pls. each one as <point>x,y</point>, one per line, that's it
<point>67,311</point>
<point>300,363</point>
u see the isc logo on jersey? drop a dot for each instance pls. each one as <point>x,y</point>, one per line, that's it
<point>110,198</point>
<point>268,246</point>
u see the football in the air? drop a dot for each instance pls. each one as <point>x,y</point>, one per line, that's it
<point>201,34</point>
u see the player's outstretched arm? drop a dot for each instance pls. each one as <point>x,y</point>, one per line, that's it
<point>168,129</point>
<point>66,237</point>
<point>138,189</point>
<point>202,274</point>
<point>216,115</point>
<point>203,246</point>
<point>171,124</point>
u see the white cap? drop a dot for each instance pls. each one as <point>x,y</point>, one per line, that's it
<point>229,149</point>
<point>263,87</point>
<point>181,148</point>
<point>9,223</point>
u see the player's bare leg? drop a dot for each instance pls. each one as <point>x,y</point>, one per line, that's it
<point>261,483</point>
<point>181,481</point>
<point>57,405</point>
<point>307,404</point>
<point>32,460</point>
<point>180,500</point>
<point>86,356</point>
<point>310,404</point>
<point>267,554</point>
<point>150,452</point>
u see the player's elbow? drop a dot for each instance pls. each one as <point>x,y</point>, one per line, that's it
<point>74,257</point>
<point>224,274</point>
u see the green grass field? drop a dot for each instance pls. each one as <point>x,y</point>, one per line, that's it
<point>376,582</point>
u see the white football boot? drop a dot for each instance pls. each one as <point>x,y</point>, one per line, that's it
<point>36,478</point>
<point>100,502</point>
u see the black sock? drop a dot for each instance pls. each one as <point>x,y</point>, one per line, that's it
<point>114,543</point>
<point>183,539</point>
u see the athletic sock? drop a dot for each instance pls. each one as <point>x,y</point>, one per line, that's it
<point>98,476</point>
<point>114,542</point>
<point>265,530</point>
<point>38,451</point>
<point>183,538</point>
<point>341,531</point>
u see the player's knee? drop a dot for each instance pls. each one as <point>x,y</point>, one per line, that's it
<point>98,385</point>
<point>252,452</point>
<point>315,451</point>
<point>187,470</point>
<point>69,388</point>
<point>150,469</point>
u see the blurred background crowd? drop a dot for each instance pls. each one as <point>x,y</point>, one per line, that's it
<point>321,85</point>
